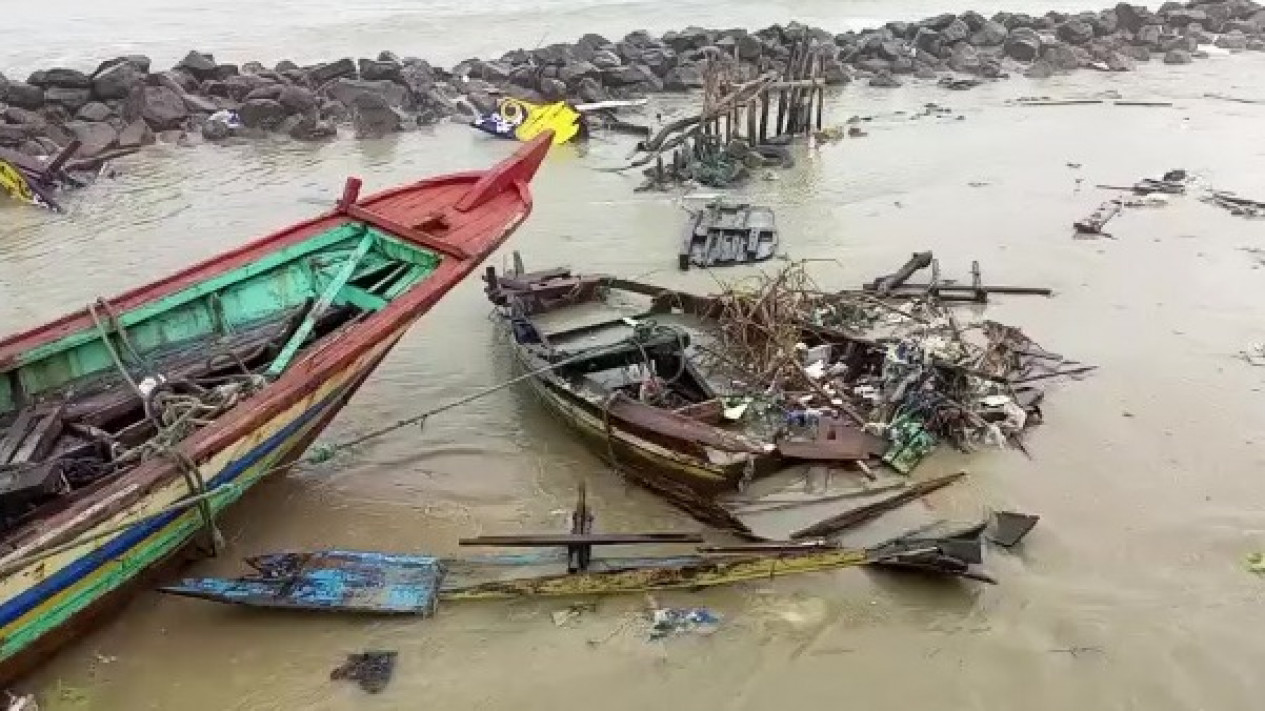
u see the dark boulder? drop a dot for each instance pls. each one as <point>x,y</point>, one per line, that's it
<point>606,59</point>
<point>286,65</point>
<point>1075,31</point>
<point>939,22</point>
<point>835,71</point>
<point>216,130</point>
<point>591,90</point>
<point>1149,36</point>
<point>253,68</point>
<point>139,61</point>
<point>1040,69</point>
<point>491,71</point>
<point>224,71</point>
<point>200,66</point>
<point>1256,45</point>
<point>265,114</point>
<point>163,109</point>
<point>235,88</point>
<point>34,149</point>
<point>1247,27</point>
<point>965,58</point>
<point>96,137</point>
<point>94,111</point>
<point>297,99</point>
<point>17,115</point>
<point>627,75</point>
<point>903,65</point>
<point>14,135</point>
<point>1177,56</point>
<point>683,78</point>
<point>683,41</point>
<point>904,30</point>
<point>884,80</point>
<point>1108,23</point>
<point>928,40</point>
<point>892,49</point>
<point>553,89</point>
<point>555,54</point>
<point>874,65</point>
<point>574,72</point>
<point>1132,18</point>
<point>750,47</point>
<point>1023,44</point>
<point>177,80</point>
<point>309,128</point>
<point>200,104</point>
<point>1061,57</point>
<point>322,73</point>
<point>1014,21</point>
<point>23,95</point>
<point>379,71</point>
<point>992,34</point>
<point>372,116</point>
<point>1233,41</point>
<point>1185,42</point>
<point>924,71</point>
<point>659,60</point>
<point>1181,17</point>
<point>71,99</point>
<point>1217,14</point>
<point>346,91</point>
<point>63,78</point>
<point>974,21</point>
<point>116,81</point>
<point>272,92</point>
<point>956,31</point>
<point>1136,52</point>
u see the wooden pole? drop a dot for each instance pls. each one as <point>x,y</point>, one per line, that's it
<point>764,100</point>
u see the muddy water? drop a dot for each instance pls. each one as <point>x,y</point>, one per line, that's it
<point>1130,595</point>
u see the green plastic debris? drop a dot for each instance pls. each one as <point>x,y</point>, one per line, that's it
<point>1256,563</point>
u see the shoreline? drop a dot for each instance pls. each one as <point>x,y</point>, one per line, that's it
<point>125,103</point>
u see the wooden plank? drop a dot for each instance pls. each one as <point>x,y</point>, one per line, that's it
<point>411,234</point>
<point>360,298</point>
<point>584,539</point>
<point>861,514</point>
<point>288,352</point>
<point>40,439</point>
<point>15,434</point>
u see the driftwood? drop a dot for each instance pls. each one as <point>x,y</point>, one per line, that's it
<point>1094,223</point>
<point>861,514</point>
<point>917,262</point>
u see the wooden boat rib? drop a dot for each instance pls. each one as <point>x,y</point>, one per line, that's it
<point>305,315</point>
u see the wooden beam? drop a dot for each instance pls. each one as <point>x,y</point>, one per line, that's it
<point>411,234</point>
<point>586,539</point>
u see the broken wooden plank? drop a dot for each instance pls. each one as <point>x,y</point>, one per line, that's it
<point>861,514</point>
<point>1094,223</point>
<point>41,437</point>
<point>584,539</point>
<point>917,261</point>
<point>15,434</point>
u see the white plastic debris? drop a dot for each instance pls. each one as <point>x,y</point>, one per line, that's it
<point>149,384</point>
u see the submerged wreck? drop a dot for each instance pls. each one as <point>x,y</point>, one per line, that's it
<point>722,234</point>
<point>125,428</point>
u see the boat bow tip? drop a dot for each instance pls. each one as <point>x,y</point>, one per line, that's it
<point>518,168</point>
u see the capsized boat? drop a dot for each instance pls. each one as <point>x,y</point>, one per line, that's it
<point>725,233</point>
<point>126,427</point>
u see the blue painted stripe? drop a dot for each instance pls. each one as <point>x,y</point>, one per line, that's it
<point>117,547</point>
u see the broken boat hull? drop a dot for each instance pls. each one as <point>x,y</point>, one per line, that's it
<point>125,528</point>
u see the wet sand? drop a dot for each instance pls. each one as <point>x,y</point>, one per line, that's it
<point>1131,594</point>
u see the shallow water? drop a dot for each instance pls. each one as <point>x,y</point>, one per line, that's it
<point>1131,594</point>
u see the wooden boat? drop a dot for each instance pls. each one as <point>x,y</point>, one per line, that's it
<point>723,233</point>
<point>628,386</point>
<point>128,426</point>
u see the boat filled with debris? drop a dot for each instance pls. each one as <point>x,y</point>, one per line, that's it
<point>695,396</point>
<point>126,427</point>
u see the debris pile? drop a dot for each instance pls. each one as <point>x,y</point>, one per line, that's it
<point>895,362</point>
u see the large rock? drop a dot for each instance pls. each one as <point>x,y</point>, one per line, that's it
<point>380,70</point>
<point>683,78</point>
<point>591,90</point>
<point>14,135</point>
<point>23,95</point>
<point>1177,56</point>
<point>1075,31</point>
<point>13,114</point>
<point>264,114</point>
<point>216,130</point>
<point>135,135</point>
<point>956,31</point>
<point>659,60</point>
<point>928,40</point>
<point>874,65</point>
<point>606,59</point>
<point>553,89</point>
<point>628,75</point>
<point>491,71</point>
<point>965,58</point>
<point>94,111</point>
<point>297,99</point>
<point>973,20</point>
<point>750,47</point>
<point>70,99</point>
<point>177,80</point>
<point>272,92</point>
<point>884,80</point>
<point>346,91</point>
<point>1185,42</point>
<point>200,104</point>
<point>309,128</point>
<point>1132,18</point>
<point>992,34</point>
<point>236,88</point>
<point>892,49</point>
<point>322,73</point>
<point>95,136</point>
<point>555,55</point>
<point>64,78</point>
<point>372,116</point>
<point>683,41</point>
<point>1061,57</point>
<point>1023,44</point>
<point>164,109</point>
<point>198,65</point>
<point>835,71</point>
<point>116,81</point>
<point>574,72</point>
<point>1040,69</point>
<point>1136,52</point>
<point>1108,23</point>
<point>1149,36</point>
<point>1233,41</point>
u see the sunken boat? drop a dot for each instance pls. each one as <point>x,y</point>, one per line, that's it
<point>723,233</point>
<point>128,426</point>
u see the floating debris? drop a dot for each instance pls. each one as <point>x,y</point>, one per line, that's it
<point>669,621</point>
<point>371,669</point>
